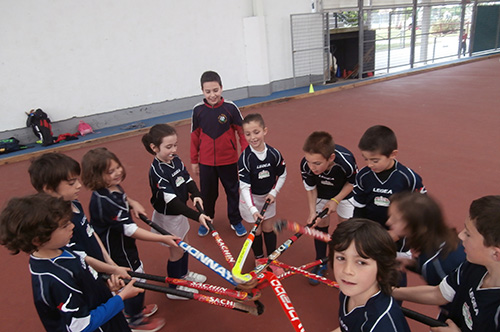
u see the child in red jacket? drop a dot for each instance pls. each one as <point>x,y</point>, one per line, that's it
<point>214,150</point>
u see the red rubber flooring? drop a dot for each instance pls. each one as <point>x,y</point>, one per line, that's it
<point>447,123</point>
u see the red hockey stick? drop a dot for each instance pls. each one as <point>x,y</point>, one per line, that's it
<point>252,295</point>
<point>281,225</point>
<point>275,254</point>
<point>222,246</point>
<point>284,300</point>
<point>217,301</point>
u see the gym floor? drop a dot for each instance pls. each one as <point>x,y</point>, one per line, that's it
<point>447,123</point>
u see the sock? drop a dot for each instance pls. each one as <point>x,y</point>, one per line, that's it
<point>321,246</point>
<point>270,239</point>
<point>257,246</point>
<point>185,263</point>
<point>174,270</point>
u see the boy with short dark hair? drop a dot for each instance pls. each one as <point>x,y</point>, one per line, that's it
<point>214,149</point>
<point>328,173</point>
<point>382,177</point>
<point>67,295</point>
<point>473,288</point>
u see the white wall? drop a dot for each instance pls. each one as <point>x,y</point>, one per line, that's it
<point>77,58</point>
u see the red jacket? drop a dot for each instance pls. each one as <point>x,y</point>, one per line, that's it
<point>213,133</point>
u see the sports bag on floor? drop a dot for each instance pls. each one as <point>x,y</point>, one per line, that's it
<point>39,121</point>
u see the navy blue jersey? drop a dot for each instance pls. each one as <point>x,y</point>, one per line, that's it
<point>330,182</point>
<point>435,268</point>
<point>168,180</point>
<point>69,298</point>
<point>372,194</point>
<point>109,215</point>
<point>380,314</point>
<point>83,239</point>
<point>473,308</point>
<point>261,175</point>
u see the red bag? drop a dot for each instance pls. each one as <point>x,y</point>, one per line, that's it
<point>84,128</point>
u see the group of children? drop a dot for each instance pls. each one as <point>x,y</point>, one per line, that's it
<point>386,224</point>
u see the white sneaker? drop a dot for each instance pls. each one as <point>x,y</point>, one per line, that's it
<point>182,288</point>
<point>195,277</point>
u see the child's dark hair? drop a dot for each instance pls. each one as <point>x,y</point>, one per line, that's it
<point>94,164</point>
<point>48,170</point>
<point>156,134</point>
<point>320,142</point>
<point>425,223</point>
<point>485,213</point>
<point>254,117</point>
<point>379,139</point>
<point>30,219</point>
<point>210,76</point>
<point>371,241</point>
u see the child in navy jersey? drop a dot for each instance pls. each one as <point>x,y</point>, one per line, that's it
<point>473,289</point>
<point>437,250</point>
<point>214,149</point>
<point>57,175</point>
<point>110,214</point>
<point>382,177</point>
<point>328,173</point>
<point>67,295</point>
<point>262,174</point>
<point>364,264</point>
<point>171,186</point>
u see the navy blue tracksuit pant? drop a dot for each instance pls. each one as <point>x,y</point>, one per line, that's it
<point>209,187</point>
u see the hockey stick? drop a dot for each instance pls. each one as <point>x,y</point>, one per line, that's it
<point>285,301</point>
<point>253,295</point>
<point>275,254</point>
<point>281,225</point>
<point>222,246</point>
<point>204,259</point>
<point>421,318</point>
<point>236,271</point>
<point>217,301</point>
<point>308,274</point>
<point>303,267</point>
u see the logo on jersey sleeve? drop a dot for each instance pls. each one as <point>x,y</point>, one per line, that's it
<point>64,306</point>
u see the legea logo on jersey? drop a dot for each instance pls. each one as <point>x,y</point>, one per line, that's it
<point>382,191</point>
<point>222,118</point>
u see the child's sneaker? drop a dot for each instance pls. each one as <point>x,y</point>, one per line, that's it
<point>148,311</point>
<point>147,325</point>
<point>319,270</point>
<point>202,231</point>
<point>182,288</point>
<point>239,229</point>
<point>195,277</point>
